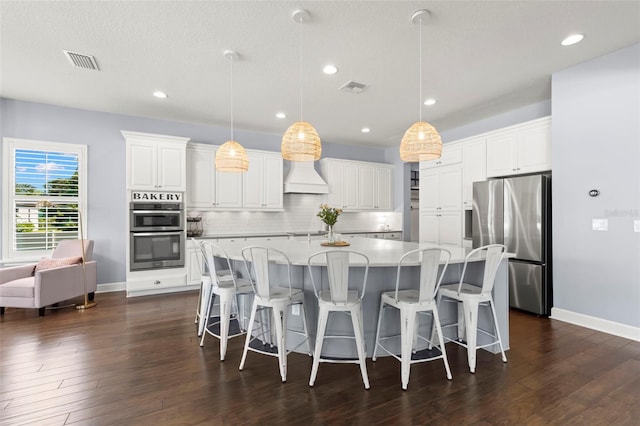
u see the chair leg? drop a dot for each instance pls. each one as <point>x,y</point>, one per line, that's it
<point>2,310</point>
<point>495,322</point>
<point>306,328</point>
<point>433,323</point>
<point>204,305</point>
<point>436,323</point>
<point>358,330</point>
<point>41,312</point>
<point>197,319</point>
<point>280,315</point>
<point>377,341</point>
<point>407,331</point>
<point>471,322</point>
<point>204,318</point>
<point>322,325</point>
<point>248,339</point>
<point>91,296</point>
<point>225,319</point>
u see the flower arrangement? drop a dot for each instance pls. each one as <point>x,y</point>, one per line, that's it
<point>329,215</point>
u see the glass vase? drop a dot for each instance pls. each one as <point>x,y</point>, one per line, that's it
<point>331,237</point>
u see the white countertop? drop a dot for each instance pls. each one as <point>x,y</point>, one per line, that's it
<point>380,252</point>
<point>286,233</point>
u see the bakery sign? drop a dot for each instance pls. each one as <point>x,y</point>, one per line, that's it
<point>156,196</point>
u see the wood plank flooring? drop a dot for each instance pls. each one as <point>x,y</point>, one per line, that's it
<point>138,362</point>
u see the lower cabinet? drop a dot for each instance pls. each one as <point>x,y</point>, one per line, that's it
<point>156,281</point>
<point>443,228</point>
<point>194,263</point>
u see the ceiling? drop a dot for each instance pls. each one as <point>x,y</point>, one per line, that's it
<point>480,58</point>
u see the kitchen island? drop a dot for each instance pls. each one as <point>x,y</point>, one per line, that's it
<point>383,257</point>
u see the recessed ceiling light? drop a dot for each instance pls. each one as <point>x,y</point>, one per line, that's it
<point>159,94</point>
<point>572,39</point>
<point>330,69</point>
<point>430,102</point>
<point>281,115</point>
<point>365,130</point>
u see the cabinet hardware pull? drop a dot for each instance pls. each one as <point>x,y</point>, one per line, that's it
<point>156,282</point>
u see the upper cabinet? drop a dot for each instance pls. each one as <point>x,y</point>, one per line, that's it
<point>451,154</point>
<point>260,188</point>
<point>155,162</point>
<point>474,167</point>
<point>441,189</point>
<point>262,184</point>
<point>520,149</point>
<point>358,185</point>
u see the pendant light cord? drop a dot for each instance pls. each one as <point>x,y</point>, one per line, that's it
<point>300,47</point>
<point>420,67</point>
<point>231,91</point>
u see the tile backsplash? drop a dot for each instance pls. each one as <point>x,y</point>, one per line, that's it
<point>299,215</point>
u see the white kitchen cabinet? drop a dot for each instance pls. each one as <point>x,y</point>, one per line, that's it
<point>194,263</point>
<point>440,189</point>
<point>520,149</point>
<point>451,154</point>
<point>443,228</point>
<point>342,178</point>
<point>155,162</point>
<point>358,185</point>
<point>474,168</point>
<point>262,183</point>
<point>207,188</point>
<point>393,236</point>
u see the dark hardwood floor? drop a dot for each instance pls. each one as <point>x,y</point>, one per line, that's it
<point>137,362</point>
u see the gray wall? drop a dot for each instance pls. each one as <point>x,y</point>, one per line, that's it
<point>596,145</point>
<point>106,161</point>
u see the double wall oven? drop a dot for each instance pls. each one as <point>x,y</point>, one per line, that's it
<point>157,235</point>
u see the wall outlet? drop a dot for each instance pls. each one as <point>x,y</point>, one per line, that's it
<point>600,224</point>
<point>636,225</point>
<point>295,310</point>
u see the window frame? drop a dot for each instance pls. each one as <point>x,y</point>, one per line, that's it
<point>9,147</point>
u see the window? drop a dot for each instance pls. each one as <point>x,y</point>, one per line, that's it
<point>44,188</point>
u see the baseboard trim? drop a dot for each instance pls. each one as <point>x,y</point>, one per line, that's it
<point>111,287</point>
<point>599,324</point>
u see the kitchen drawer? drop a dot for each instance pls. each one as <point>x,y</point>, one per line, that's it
<point>376,235</point>
<point>156,283</point>
<point>270,238</point>
<point>393,236</point>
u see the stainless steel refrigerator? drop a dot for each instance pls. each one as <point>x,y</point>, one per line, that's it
<point>516,212</point>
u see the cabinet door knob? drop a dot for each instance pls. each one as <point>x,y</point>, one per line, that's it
<point>156,282</point>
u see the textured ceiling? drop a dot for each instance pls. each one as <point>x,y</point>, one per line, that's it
<point>480,58</point>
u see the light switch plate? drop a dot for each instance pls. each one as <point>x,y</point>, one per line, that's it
<point>636,225</point>
<point>295,310</point>
<point>600,224</point>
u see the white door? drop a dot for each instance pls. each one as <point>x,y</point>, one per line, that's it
<point>171,163</point>
<point>143,166</point>
<point>335,180</point>
<point>201,177</point>
<point>366,197</point>
<point>228,190</point>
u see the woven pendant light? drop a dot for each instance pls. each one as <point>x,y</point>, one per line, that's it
<point>301,141</point>
<point>421,142</point>
<point>231,156</point>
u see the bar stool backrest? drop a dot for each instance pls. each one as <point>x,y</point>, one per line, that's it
<point>429,266</point>
<point>495,254</point>
<point>256,260</point>
<point>338,263</point>
<point>213,254</point>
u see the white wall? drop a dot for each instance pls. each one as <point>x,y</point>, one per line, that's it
<point>596,145</point>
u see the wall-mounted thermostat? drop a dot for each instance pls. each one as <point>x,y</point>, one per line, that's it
<point>594,193</point>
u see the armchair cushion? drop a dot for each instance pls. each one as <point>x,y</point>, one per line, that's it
<point>23,287</point>
<point>56,262</point>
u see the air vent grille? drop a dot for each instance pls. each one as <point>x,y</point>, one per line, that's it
<point>82,61</point>
<point>353,87</point>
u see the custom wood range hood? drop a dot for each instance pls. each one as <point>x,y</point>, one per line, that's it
<point>304,179</point>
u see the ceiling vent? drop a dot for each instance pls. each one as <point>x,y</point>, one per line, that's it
<point>353,87</point>
<point>82,61</point>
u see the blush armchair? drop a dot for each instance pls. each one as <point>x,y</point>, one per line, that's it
<point>49,281</point>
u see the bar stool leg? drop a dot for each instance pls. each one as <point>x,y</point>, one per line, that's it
<point>436,323</point>
<point>495,322</point>
<point>225,316</point>
<point>358,330</point>
<point>377,341</point>
<point>323,314</point>
<point>471,322</point>
<point>252,318</point>
<point>408,325</point>
<point>281,324</point>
